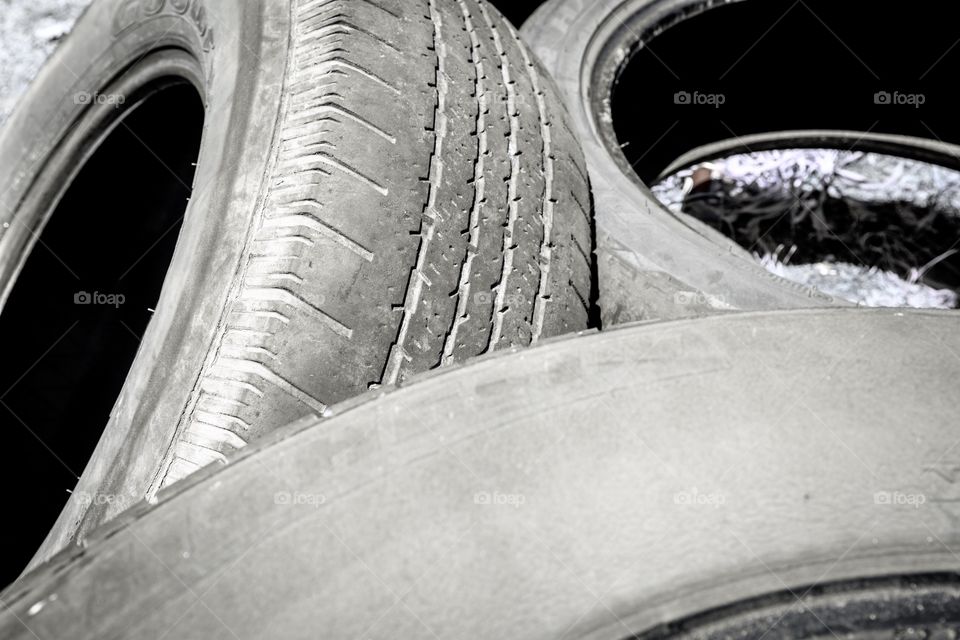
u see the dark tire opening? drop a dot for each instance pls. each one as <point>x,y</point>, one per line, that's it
<point>73,322</point>
<point>894,607</point>
<point>517,11</point>
<point>752,67</point>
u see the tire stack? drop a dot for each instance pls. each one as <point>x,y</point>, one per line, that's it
<point>392,388</point>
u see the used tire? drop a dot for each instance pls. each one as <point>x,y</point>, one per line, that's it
<point>648,257</point>
<point>596,487</point>
<point>383,187</point>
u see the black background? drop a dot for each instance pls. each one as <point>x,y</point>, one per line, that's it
<point>517,10</point>
<point>781,65</point>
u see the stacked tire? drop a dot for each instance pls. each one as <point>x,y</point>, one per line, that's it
<point>737,474</point>
<point>334,421</point>
<point>383,188</point>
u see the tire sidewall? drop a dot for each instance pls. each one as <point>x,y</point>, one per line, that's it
<point>601,545</point>
<point>240,53</point>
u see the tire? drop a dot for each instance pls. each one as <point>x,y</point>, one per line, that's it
<point>920,149</point>
<point>648,257</point>
<point>383,187</point>
<point>664,471</point>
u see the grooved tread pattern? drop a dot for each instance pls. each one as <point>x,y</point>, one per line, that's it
<point>426,203</point>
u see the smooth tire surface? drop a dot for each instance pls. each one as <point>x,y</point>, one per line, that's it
<point>920,149</point>
<point>383,187</point>
<point>666,470</point>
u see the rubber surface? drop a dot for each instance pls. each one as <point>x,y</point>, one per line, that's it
<point>920,149</point>
<point>384,186</point>
<point>593,487</point>
<point>415,215</point>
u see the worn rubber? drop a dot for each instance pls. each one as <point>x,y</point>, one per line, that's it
<point>421,200</point>
<point>920,149</point>
<point>380,252</point>
<point>594,487</point>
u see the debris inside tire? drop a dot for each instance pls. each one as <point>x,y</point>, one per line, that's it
<point>871,228</point>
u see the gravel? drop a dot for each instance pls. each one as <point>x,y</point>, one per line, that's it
<point>29,32</point>
<point>869,287</point>
<point>867,177</point>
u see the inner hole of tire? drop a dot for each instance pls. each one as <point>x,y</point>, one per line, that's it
<point>759,66</point>
<point>870,608</point>
<point>74,320</point>
<point>756,67</point>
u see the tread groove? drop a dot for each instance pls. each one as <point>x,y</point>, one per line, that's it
<point>455,271</point>
<point>500,308</point>
<point>479,182</point>
<point>343,25</point>
<point>280,295</point>
<point>265,373</point>
<point>543,294</point>
<point>305,219</point>
<point>212,437</point>
<point>304,161</point>
<point>382,8</point>
<point>428,219</point>
<point>342,62</point>
<point>335,108</point>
